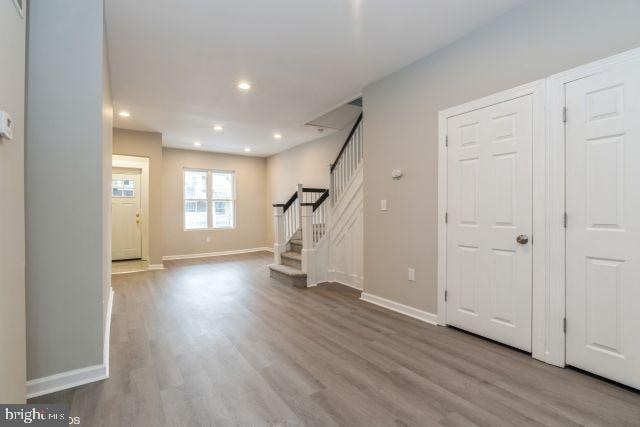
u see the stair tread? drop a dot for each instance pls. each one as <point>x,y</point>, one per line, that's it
<point>289,271</point>
<point>292,255</point>
<point>296,241</point>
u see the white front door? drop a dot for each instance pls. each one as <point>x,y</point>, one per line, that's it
<point>489,198</point>
<point>603,228</point>
<point>126,242</point>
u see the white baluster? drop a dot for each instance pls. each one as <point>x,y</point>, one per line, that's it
<point>278,233</point>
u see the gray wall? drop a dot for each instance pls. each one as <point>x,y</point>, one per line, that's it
<point>250,230</point>
<point>147,144</point>
<point>535,40</point>
<point>306,164</point>
<point>12,258</point>
<point>65,173</point>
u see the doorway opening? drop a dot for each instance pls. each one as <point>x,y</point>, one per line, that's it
<point>129,214</point>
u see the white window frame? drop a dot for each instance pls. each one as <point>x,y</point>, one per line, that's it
<point>210,200</point>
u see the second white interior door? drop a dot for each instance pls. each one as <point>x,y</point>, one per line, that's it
<point>489,204</point>
<point>603,230</point>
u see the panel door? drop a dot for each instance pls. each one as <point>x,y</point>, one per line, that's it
<point>489,274</point>
<point>126,242</point>
<point>603,229</point>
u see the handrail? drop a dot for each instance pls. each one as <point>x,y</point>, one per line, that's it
<point>294,197</point>
<point>321,199</point>
<point>290,201</point>
<point>344,146</point>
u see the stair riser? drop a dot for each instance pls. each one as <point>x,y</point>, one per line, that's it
<point>292,263</point>
<point>296,248</point>
<point>298,282</point>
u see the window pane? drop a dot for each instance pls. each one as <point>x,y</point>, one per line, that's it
<point>122,188</point>
<point>195,184</point>
<point>195,214</point>
<point>223,214</point>
<point>222,185</point>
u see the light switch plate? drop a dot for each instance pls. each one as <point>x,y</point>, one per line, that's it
<point>412,274</point>
<point>6,125</point>
<point>383,205</point>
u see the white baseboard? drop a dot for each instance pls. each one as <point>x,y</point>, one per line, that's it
<point>356,287</point>
<point>424,316</point>
<point>65,380</point>
<point>156,267</point>
<point>107,333</point>
<point>338,277</point>
<point>214,254</point>
<point>76,377</point>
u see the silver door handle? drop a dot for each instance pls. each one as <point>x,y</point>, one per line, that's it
<point>523,239</point>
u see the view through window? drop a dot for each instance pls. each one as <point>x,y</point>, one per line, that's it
<point>205,188</point>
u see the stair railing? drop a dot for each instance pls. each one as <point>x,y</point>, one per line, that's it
<point>314,217</point>
<point>347,161</point>
<point>288,217</point>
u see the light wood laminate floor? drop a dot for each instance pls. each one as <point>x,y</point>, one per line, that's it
<point>217,342</point>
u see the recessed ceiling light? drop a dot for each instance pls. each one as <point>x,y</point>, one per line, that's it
<point>277,136</point>
<point>244,86</point>
<point>246,150</point>
<point>218,128</point>
<point>197,143</point>
<point>124,114</point>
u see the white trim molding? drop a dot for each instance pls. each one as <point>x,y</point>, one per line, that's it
<point>332,279</point>
<point>422,315</point>
<point>548,293</point>
<point>156,266</point>
<point>215,254</point>
<point>142,163</point>
<point>77,377</point>
<point>537,90</point>
<point>65,380</point>
<point>549,299</point>
<point>107,333</point>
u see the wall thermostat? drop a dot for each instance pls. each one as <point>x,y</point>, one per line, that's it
<point>6,125</point>
<point>396,174</point>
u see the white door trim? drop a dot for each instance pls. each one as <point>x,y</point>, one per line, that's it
<point>551,305</point>
<point>548,311</point>
<point>537,90</point>
<point>142,163</point>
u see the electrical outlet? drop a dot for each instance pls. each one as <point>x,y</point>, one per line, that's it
<point>412,274</point>
<point>383,204</point>
<point>208,239</point>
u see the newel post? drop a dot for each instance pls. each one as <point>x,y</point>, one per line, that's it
<point>307,234</point>
<point>279,245</point>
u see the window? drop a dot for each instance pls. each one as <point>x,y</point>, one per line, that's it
<point>204,188</point>
<point>123,188</point>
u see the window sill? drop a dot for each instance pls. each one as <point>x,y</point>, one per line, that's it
<point>209,229</point>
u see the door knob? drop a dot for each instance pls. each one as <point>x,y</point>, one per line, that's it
<point>523,239</point>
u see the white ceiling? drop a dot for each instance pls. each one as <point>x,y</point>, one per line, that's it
<point>175,64</point>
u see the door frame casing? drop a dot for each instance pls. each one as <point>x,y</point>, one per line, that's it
<point>549,243</point>
<point>142,163</point>
<point>554,303</point>
<point>537,90</point>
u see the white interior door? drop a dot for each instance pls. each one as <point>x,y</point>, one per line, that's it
<point>603,230</point>
<point>489,198</point>
<point>126,242</point>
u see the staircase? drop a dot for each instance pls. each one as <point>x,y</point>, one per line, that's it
<point>301,251</point>
<point>290,269</point>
